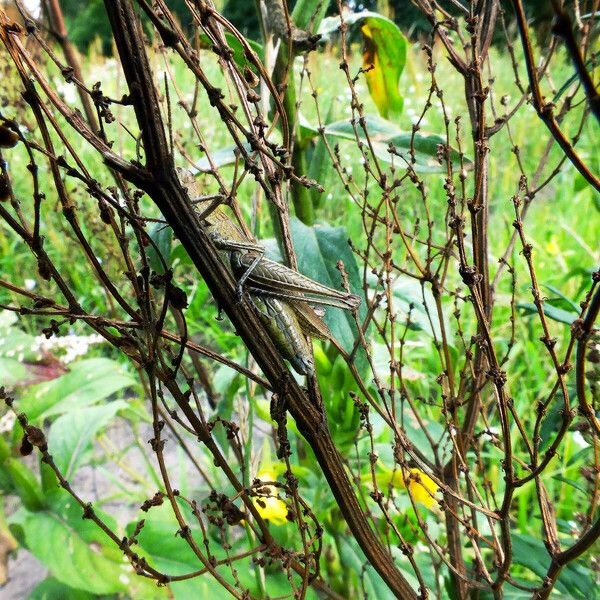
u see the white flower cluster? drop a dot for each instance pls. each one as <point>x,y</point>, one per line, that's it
<point>72,345</point>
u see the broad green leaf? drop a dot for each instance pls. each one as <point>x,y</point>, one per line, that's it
<point>71,435</point>
<point>74,549</point>
<point>384,57</point>
<point>52,589</point>
<point>171,554</point>
<point>422,151</point>
<point>319,248</point>
<point>554,313</point>
<point>162,236</point>
<point>25,483</point>
<point>355,563</point>
<point>392,145</point>
<point>88,382</point>
<point>551,423</point>
<point>575,579</point>
<point>18,345</point>
<point>12,372</point>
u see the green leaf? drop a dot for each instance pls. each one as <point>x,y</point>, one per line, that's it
<point>71,435</point>
<point>384,57</point>
<point>25,484</point>
<point>321,167</point>
<point>309,13</point>
<point>575,579</point>
<point>12,372</point>
<point>88,382</point>
<point>17,344</point>
<point>552,312</point>
<point>392,145</point>
<point>319,248</point>
<point>171,554</point>
<point>162,236</point>
<point>73,549</point>
<point>239,54</point>
<point>355,563</point>
<point>566,301</point>
<point>52,589</point>
<point>220,158</point>
<point>424,317</point>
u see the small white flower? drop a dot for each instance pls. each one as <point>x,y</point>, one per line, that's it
<point>30,284</point>
<point>579,439</point>
<point>7,422</point>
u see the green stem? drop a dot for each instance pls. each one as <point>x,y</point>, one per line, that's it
<point>301,198</point>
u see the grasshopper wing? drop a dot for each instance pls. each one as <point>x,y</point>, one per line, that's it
<point>311,324</point>
<point>276,280</point>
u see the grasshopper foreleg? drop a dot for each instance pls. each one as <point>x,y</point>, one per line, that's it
<point>235,250</point>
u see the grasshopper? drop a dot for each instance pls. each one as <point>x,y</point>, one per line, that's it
<point>282,296</point>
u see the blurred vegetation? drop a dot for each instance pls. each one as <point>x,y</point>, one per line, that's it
<point>87,21</point>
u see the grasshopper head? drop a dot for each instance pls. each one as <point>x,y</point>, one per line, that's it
<point>303,364</point>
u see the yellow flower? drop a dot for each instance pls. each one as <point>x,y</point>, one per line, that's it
<point>552,246</point>
<point>271,507</point>
<point>421,487</point>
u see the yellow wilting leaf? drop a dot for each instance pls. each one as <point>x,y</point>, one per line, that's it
<point>384,57</point>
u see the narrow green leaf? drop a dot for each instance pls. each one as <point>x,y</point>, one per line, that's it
<point>162,236</point>
<point>552,312</point>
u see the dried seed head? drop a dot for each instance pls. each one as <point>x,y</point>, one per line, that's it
<point>177,297</point>
<point>251,79</point>
<point>4,188</point>
<point>8,138</point>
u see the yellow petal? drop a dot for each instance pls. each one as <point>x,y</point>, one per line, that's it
<point>422,488</point>
<point>271,508</point>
